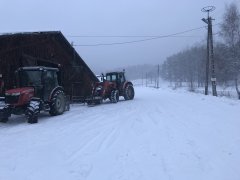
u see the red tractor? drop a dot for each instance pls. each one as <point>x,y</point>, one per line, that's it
<point>37,89</point>
<point>114,85</point>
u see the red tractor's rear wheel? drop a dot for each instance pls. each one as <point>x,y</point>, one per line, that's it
<point>129,92</point>
<point>58,103</point>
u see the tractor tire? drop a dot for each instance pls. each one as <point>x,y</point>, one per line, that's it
<point>114,98</point>
<point>100,101</point>
<point>5,114</point>
<point>129,92</point>
<point>58,103</point>
<point>2,103</point>
<point>4,120</point>
<point>32,112</point>
<point>67,104</point>
<point>90,103</point>
<point>67,107</point>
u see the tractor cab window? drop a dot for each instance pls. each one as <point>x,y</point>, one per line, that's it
<point>112,77</point>
<point>30,78</point>
<point>108,78</point>
<point>50,82</point>
<point>50,78</point>
<point>121,78</point>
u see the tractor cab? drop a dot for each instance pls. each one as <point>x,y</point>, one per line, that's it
<point>116,77</point>
<point>42,79</point>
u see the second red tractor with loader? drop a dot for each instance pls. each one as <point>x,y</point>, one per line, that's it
<point>114,84</point>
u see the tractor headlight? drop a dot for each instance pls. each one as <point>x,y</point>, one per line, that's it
<point>99,88</point>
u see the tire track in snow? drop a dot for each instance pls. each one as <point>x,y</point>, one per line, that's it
<point>147,138</point>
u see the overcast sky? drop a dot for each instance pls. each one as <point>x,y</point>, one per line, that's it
<point>114,18</point>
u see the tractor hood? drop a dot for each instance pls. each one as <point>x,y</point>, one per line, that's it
<point>19,91</point>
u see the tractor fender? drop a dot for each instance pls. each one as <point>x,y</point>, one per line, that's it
<point>54,90</point>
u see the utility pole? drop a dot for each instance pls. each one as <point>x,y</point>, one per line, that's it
<point>146,79</point>
<point>158,73</point>
<point>210,55</point>
<point>207,67</point>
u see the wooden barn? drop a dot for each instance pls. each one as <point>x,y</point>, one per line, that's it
<point>45,49</point>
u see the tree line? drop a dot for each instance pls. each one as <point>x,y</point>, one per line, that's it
<point>189,65</point>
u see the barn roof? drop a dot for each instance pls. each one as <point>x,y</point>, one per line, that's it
<point>13,41</point>
<point>49,49</point>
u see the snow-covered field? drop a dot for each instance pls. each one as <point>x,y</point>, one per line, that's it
<point>161,134</point>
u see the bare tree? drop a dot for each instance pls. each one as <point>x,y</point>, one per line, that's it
<point>230,31</point>
<point>185,67</point>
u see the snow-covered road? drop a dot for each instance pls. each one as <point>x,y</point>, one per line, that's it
<point>161,134</point>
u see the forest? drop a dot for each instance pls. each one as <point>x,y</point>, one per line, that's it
<point>189,65</point>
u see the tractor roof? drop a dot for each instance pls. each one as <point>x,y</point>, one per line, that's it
<point>116,72</point>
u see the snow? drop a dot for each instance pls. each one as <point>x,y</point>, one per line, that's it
<point>161,134</point>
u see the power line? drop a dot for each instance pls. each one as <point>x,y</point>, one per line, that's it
<point>125,42</point>
<point>137,41</point>
<point>88,36</point>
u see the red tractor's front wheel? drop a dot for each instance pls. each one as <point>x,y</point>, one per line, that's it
<point>114,98</point>
<point>32,112</point>
<point>4,114</point>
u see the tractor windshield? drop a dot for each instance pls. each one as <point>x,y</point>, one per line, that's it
<point>30,78</point>
<point>111,77</point>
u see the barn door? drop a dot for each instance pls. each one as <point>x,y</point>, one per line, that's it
<point>77,92</point>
